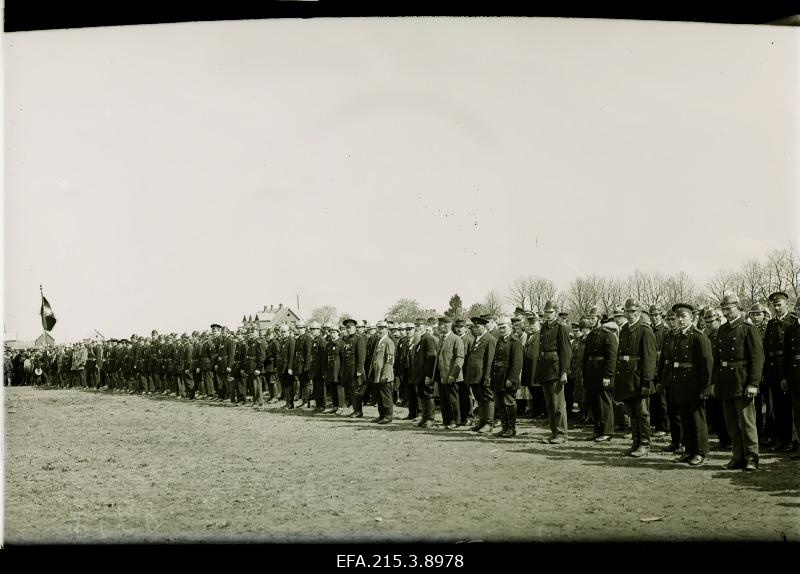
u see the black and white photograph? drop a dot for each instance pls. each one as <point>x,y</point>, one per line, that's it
<point>402,280</point>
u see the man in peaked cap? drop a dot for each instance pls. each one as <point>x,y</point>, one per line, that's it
<point>318,362</point>
<point>688,375</point>
<point>555,357</point>
<point>423,366</point>
<point>449,372</point>
<point>303,352</point>
<point>658,401</point>
<point>774,367</point>
<point>599,367</point>
<point>505,377</point>
<point>738,366</point>
<point>712,319</point>
<point>664,376</point>
<point>465,399</point>
<point>285,365</point>
<point>381,373</point>
<point>635,373</point>
<point>270,365</point>
<point>758,316</point>
<point>790,384</point>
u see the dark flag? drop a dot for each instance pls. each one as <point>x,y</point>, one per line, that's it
<point>48,319</point>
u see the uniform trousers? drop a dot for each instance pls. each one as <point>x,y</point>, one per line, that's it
<point>782,408</point>
<point>186,385</point>
<point>425,393</point>
<point>464,402</point>
<point>92,378</point>
<point>716,419</point>
<point>320,399</point>
<point>236,387</point>
<point>287,385</point>
<point>556,407</point>
<point>601,406</point>
<point>337,395</point>
<point>305,387</point>
<point>640,420</point>
<point>765,413</point>
<point>503,401</point>
<point>412,398</point>
<point>740,416</point>
<point>484,395</point>
<point>659,417</point>
<point>796,414</point>
<point>208,383</point>
<point>695,428</point>
<point>449,401</point>
<point>383,397</point>
<point>254,381</point>
<point>357,393</point>
<point>675,420</point>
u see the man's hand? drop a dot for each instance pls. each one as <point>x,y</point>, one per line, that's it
<point>784,385</point>
<point>606,382</point>
<point>228,369</point>
<point>289,372</point>
<point>509,384</point>
<point>257,372</point>
<point>428,380</point>
<point>186,371</point>
<point>751,391</point>
<point>563,379</point>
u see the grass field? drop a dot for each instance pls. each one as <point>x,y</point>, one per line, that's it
<point>89,466</point>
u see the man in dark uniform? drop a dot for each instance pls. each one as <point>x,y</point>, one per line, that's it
<point>478,374</point>
<point>414,332</point>
<point>251,370</point>
<point>303,351</point>
<point>791,361</point>
<point>226,364</point>
<point>738,366</point>
<point>636,369</point>
<point>689,376</point>
<point>285,366</point>
<point>555,355</point>
<point>270,362</point>
<point>530,358</point>
<point>505,377</point>
<point>396,334</point>
<point>765,422</point>
<point>238,373</point>
<point>774,371</point>
<point>217,377</point>
<point>354,353</point>
<point>207,358</point>
<point>712,318</point>
<point>401,364</point>
<point>658,400</point>
<point>599,367</point>
<point>664,374</point>
<point>464,397</point>
<point>332,368</point>
<point>423,365</point>
<point>185,362</point>
<point>317,369</point>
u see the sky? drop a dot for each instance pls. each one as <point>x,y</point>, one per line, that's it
<point>171,176</point>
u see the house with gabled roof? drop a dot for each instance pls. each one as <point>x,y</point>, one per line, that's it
<point>270,316</point>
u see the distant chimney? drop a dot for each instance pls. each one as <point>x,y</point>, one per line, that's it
<point>280,305</point>
<point>272,307</point>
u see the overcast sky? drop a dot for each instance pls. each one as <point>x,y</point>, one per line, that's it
<point>175,175</point>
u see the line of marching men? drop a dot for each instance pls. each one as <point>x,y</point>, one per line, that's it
<point>483,371</point>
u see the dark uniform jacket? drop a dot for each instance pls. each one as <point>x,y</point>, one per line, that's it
<point>530,358</point>
<point>659,332</point>
<point>401,365</point>
<point>664,369</point>
<point>318,358</point>
<point>303,349</point>
<point>774,348</point>
<point>286,355</point>
<point>239,367</point>
<point>256,353</point>
<point>271,360</point>
<point>692,364</point>
<point>333,361</point>
<point>478,364</point>
<point>636,361</point>
<point>507,364</point>
<point>791,357</point>
<point>599,358</point>
<point>555,352</point>
<point>186,361</point>
<point>205,356</point>
<point>423,360</point>
<point>738,359</point>
<point>227,355</point>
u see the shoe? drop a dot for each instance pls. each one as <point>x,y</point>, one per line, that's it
<point>680,450</point>
<point>485,429</point>
<point>733,465</point>
<point>427,424</point>
<point>547,439</point>
<point>628,436</point>
<point>501,432</point>
<point>603,438</point>
<point>697,460</point>
<point>376,419</point>
<point>787,448</point>
<point>455,425</point>
<point>384,421</point>
<point>683,458</point>
<point>751,465</point>
<point>354,415</point>
<point>659,434</point>
<point>671,447</point>
<point>558,440</point>
<point>510,433</point>
<point>631,449</point>
<point>795,456</point>
<point>641,451</point>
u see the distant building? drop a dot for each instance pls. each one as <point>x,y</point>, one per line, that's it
<point>18,344</point>
<point>270,316</point>
<point>44,338</point>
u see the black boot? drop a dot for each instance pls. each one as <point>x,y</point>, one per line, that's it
<point>511,416</point>
<point>488,413</point>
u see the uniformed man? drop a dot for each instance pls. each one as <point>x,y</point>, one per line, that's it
<point>712,318</point>
<point>478,374</point>
<point>251,370</point>
<point>395,334</point>
<point>381,374</point>
<point>217,371</point>
<point>186,386</point>
<point>285,366</point>
<point>599,368</point>
<point>690,382</point>
<point>270,363</point>
<point>738,366</point>
<point>318,363</point>
<point>633,381</point>
<point>555,355</point>
<point>774,371</point>
<point>208,358</point>
<point>664,374</point>
<point>423,366</point>
<point>530,358</point>
<point>791,361</point>
<point>333,365</point>
<point>448,372</point>
<point>414,332</point>
<point>239,374</point>
<point>505,377</point>
<point>303,351</point>
<point>353,376</point>
<point>465,399</point>
<point>658,400</point>
<point>765,421</point>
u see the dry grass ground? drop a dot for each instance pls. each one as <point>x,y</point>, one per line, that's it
<point>91,466</point>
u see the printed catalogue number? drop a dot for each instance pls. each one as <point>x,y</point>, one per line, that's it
<point>399,561</point>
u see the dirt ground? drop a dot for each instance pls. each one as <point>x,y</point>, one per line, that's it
<point>90,466</point>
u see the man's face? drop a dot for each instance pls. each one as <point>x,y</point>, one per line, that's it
<point>504,329</point>
<point>656,317</point>
<point>383,331</point>
<point>562,321</point>
<point>359,329</point>
<point>334,335</point>
<point>517,327</point>
<point>632,315</point>
<point>781,306</point>
<point>351,329</point>
<point>620,320</point>
<point>757,317</point>
<point>671,322</point>
<point>731,312</point>
<point>315,332</point>
<point>683,318</point>
<point>420,330</point>
<point>459,330</point>
<point>301,330</point>
<point>549,315</point>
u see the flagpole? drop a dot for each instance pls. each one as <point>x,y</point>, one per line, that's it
<point>44,328</point>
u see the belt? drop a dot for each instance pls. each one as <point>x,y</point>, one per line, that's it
<point>628,358</point>
<point>683,365</point>
<point>775,353</point>
<point>548,353</point>
<point>797,357</point>
<point>732,363</point>
<point>597,358</point>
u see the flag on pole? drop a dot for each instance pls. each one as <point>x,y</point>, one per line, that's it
<point>48,318</point>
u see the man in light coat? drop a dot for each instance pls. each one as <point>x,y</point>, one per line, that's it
<point>382,374</point>
<point>450,361</point>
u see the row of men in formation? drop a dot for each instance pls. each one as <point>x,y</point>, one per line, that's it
<point>745,369</point>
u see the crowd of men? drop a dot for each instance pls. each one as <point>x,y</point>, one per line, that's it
<point>685,375</point>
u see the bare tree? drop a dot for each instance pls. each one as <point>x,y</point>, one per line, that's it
<point>405,311</point>
<point>680,288</point>
<point>611,294</point>
<point>518,292</point>
<point>721,284</point>
<point>323,314</point>
<point>540,291</point>
<point>583,294</point>
<point>493,303</point>
<point>785,264</point>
